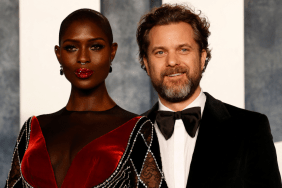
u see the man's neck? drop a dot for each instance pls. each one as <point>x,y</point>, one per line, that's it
<point>179,106</point>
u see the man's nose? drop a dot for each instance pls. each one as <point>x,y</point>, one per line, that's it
<point>172,59</point>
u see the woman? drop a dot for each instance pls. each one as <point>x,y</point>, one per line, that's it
<point>89,142</point>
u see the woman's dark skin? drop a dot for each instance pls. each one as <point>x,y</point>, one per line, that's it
<point>85,42</point>
<point>82,42</point>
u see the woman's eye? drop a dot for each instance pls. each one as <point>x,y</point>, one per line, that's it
<point>70,48</point>
<point>97,47</point>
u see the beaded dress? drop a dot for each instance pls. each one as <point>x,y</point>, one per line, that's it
<point>112,148</point>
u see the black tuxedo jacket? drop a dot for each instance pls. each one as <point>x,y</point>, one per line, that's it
<point>234,149</point>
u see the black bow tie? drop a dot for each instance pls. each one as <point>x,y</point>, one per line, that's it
<point>191,118</point>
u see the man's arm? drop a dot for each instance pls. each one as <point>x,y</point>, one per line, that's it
<point>261,167</point>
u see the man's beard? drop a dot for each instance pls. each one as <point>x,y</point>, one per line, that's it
<point>179,90</point>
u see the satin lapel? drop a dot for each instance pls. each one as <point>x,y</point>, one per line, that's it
<point>151,114</point>
<point>209,149</point>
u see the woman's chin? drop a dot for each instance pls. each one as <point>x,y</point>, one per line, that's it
<point>86,86</point>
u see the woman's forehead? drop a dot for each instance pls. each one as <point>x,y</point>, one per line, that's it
<point>89,23</point>
<point>80,28</point>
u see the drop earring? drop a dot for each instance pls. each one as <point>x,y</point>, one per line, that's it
<point>111,69</point>
<point>61,70</point>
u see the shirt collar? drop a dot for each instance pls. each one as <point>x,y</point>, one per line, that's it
<point>199,101</point>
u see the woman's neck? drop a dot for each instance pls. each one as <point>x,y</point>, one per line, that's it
<point>96,99</point>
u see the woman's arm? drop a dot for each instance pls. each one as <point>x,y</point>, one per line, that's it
<point>15,176</point>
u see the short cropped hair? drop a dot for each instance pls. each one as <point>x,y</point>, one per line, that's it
<point>91,15</point>
<point>169,14</point>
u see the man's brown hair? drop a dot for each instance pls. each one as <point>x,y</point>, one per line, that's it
<point>168,14</point>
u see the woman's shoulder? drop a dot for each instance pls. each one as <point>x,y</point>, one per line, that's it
<point>130,117</point>
<point>118,111</point>
<point>45,119</point>
<point>26,127</point>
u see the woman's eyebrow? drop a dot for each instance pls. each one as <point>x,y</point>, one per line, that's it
<point>97,39</point>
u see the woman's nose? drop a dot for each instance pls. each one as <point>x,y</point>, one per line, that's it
<point>83,56</point>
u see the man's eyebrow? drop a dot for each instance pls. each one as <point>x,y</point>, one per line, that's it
<point>179,46</point>
<point>185,45</point>
<point>158,47</point>
<point>74,40</point>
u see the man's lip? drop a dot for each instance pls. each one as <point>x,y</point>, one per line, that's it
<point>83,72</point>
<point>181,73</point>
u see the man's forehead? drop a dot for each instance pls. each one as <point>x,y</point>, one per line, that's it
<point>171,25</point>
<point>172,34</point>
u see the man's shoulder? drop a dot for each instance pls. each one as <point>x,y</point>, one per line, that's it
<point>240,112</point>
<point>231,109</point>
<point>222,110</point>
<point>248,120</point>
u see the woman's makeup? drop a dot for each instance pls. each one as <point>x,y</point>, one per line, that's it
<point>83,73</point>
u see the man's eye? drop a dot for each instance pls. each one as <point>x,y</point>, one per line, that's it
<point>70,48</point>
<point>97,47</point>
<point>160,52</point>
<point>184,50</point>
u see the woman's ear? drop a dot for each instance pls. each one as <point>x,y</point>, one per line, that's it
<point>114,47</point>
<point>58,52</point>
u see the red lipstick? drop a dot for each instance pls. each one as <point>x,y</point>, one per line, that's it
<point>83,73</point>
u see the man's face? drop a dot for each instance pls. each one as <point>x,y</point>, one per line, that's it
<point>174,62</point>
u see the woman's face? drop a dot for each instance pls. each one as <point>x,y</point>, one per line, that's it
<point>85,54</point>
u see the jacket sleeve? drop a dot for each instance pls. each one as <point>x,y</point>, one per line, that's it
<point>14,176</point>
<point>261,167</point>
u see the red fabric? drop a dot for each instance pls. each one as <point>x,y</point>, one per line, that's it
<point>92,165</point>
<point>36,165</point>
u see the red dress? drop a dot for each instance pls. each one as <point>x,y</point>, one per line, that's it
<point>122,157</point>
<point>92,165</point>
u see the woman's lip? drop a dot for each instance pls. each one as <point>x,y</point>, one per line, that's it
<point>83,73</point>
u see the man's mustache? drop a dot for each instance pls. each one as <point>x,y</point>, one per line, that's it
<point>176,70</point>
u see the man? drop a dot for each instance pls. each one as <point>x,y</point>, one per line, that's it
<point>197,140</point>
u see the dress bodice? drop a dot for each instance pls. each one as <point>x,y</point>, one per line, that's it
<point>92,165</point>
<point>127,156</point>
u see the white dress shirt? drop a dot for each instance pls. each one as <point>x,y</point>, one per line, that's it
<point>177,151</point>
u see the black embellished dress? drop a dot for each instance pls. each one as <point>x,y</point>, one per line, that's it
<point>109,148</point>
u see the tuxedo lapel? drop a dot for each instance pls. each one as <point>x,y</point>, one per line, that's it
<point>151,114</point>
<point>209,148</point>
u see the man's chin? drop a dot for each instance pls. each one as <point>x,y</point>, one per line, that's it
<point>176,93</point>
<point>176,90</point>
<point>175,99</point>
